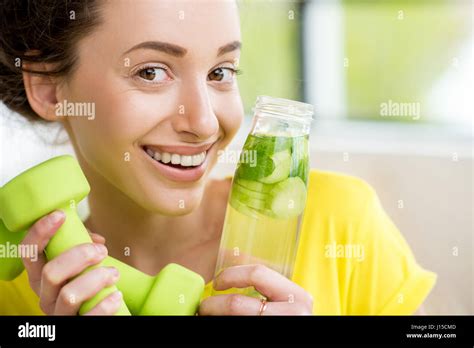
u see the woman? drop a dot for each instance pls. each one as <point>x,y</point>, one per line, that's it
<point>161,78</point>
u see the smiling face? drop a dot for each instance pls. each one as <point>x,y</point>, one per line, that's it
<point>161,77</point>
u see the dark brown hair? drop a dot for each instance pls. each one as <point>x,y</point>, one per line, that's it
<point>40,31</point>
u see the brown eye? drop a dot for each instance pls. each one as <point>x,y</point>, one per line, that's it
<point>222,75</point>
<point>148,74</point>
<point>217,75</point>
<point>153,74</point>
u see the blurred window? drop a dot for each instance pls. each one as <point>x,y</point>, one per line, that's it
<point>404,60</point>
<point>271,58</point>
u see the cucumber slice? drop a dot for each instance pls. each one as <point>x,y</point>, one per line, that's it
<point>282,161</point>
<point>250,193</point>
<point>254,185</point>
<point>263,166</point>
<point>242,208</point>
<point>300,158</point>
<point>249,201</point>
<point>288,198</point>
<point>303,169</point>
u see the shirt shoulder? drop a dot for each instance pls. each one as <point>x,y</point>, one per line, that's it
<point>340,200</point>
<point>351,256</point>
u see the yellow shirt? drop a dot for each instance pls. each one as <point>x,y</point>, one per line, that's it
<point>351,257</point>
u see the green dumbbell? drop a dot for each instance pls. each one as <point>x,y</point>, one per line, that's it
<point>59,183</point>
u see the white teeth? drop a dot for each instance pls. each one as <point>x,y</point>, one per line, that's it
<point>166,157</point>
<point>184,160</point>
<point>175,159</point>
<point>197,160</point>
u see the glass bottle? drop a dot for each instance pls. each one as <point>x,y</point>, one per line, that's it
<point>269,190</point>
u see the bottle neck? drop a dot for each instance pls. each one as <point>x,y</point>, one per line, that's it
<point>267,124</point>
<point>281,117</point>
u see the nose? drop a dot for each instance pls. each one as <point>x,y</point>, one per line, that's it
<point>195,115</point>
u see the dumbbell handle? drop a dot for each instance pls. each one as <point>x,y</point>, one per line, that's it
<point>71,233</point>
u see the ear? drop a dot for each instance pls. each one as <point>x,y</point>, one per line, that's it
<point>41,90</point>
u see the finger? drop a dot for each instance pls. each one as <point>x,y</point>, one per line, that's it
<point>97,238</point>
<point>39,235</point>
<point>108,306</point>
<point>66,266</point>
<point>286,308</point>
<point>233,304</point>
<point>84,287</point>
<point>266,281</point>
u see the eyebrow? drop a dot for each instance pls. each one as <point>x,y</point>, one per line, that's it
<point>231,46</point>
<point>178,51</point>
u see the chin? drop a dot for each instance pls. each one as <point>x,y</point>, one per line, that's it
<point>176,202</point>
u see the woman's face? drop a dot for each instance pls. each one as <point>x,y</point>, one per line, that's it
<point>160,75</point>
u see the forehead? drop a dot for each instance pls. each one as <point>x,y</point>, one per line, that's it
<point>189,23</point>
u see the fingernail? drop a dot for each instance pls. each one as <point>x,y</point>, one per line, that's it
<point>101,249</point>
<point>116,296</point>
<point>56,216</point>
<point>114,272</point>
<point>95,235</point>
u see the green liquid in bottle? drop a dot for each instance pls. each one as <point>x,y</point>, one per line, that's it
<point>266,202</point>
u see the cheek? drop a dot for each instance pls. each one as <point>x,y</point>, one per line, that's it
<point>122,117</point>
<point>230,112</point>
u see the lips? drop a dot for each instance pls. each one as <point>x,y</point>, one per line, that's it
<point>179,163</point>
<point>175,159</point>
<point>180,150</point>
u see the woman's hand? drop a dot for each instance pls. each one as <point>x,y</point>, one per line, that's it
<point>284,297</point>
<point>51,281</point>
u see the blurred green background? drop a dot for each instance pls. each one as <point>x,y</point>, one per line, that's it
<point>271,57</point>
<point>396,50</point>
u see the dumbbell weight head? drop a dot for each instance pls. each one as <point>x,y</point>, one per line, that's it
<point>175,291</point>
<point>31,195</point>
<point>38,191</point>
<point>58,183</point>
